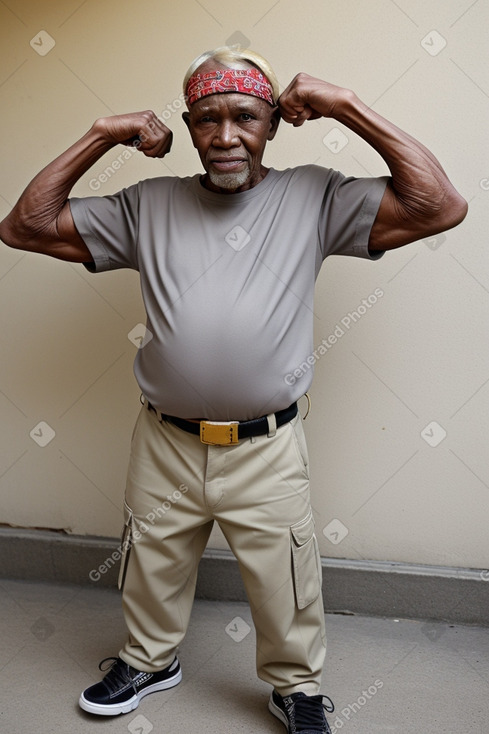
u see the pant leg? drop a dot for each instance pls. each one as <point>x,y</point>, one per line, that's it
<point>265,514</point>
<point>166,530</point>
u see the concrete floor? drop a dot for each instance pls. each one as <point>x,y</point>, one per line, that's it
<point>384,675</point>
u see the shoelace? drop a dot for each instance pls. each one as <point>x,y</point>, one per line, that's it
<point>309,711</point>
<point>119,674</point>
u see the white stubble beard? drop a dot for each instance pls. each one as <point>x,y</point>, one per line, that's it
<point>231,181</point>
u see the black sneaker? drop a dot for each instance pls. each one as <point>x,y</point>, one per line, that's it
<point>302,714</point>
<point>123,687</point>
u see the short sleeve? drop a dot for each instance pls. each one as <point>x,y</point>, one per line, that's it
<point>109,227</point>
<point>348,211</point>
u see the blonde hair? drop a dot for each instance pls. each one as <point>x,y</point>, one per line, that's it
<point>234,57</point>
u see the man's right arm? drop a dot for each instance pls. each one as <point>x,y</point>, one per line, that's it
<point>41,221</point>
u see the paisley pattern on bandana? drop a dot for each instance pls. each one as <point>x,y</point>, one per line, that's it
<point>244,81</point>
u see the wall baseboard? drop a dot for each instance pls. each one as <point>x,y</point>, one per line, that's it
<point>375,588</point>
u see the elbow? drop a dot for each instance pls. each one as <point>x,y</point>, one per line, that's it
<point>7,234</point>
<point>446,213</point>
<point>462,209</point>
<point>17,234</point>
<point>455,210</point>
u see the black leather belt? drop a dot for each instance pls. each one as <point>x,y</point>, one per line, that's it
<point>219,433</point>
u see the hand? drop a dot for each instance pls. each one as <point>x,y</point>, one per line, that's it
<point>307,98</point>
<point>142,130</point>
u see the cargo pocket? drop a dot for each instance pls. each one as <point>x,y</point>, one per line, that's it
<point>126,543</point>
<point>306,565</point>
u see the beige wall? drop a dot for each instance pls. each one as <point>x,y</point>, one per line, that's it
<point>417,355</point>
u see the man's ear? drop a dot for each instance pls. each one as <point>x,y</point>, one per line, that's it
<point>186,118</point>
<point>274,123</point>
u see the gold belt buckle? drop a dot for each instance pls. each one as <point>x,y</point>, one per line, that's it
<point>217,433</point>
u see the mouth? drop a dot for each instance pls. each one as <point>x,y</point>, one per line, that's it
<point>227,164</point>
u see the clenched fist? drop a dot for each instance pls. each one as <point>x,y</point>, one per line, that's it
<point>308,98</point>
<point>143,130</point>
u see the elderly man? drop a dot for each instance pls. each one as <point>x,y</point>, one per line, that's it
<point>227,263</point>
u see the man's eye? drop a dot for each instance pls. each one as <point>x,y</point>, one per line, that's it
<point>245,116</point>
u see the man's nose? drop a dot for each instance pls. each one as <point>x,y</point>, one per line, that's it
<point>226,136</point>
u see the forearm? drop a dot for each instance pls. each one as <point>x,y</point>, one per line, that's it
<point>421,186</point>
<point>35,216</point>
<point>420,200</point>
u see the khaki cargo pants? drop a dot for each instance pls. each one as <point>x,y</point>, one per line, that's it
<point>258,492</point>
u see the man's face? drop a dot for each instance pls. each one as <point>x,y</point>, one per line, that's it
<point>230,132</point>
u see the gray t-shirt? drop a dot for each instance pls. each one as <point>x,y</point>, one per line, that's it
<point>228,280</point>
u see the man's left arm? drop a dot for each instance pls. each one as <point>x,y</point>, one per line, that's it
<point>419,200</point>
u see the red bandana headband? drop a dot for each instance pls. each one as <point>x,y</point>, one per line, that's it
<point>243,81</point>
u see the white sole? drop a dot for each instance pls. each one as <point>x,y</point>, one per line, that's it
<point>276,711</point>
<point>125,708</point>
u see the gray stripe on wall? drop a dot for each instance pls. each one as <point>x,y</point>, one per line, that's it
<point>375,588</point>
